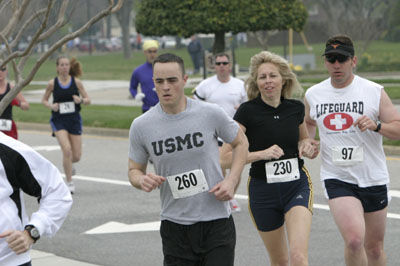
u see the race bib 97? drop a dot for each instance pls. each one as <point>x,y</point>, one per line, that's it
<point>187,184</point>
<point>67,107</point>
<point>347,155</point>
<point>282,170</point>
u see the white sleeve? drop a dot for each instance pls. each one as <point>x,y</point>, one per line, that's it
<point>41,179</point>
<point>199,93</point>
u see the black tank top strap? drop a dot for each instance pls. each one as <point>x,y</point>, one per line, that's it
<point>7,114</point>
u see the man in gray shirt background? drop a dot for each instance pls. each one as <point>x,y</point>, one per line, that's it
<point>180,136</point>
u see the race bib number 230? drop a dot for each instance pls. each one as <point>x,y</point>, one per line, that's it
<point>282,170</point>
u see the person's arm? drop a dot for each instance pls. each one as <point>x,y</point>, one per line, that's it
<point>46,96</point>
<point>226,189</point>
<point>311,125</point>
<point>85,97</point>
<point>389,117</point>
<point>198,92</point>
<point>140,180</point>
<point>133,84</point>
<point>41,179</point>
<point>273,152</point>
<point>22,103</point>
<point>308,147</point>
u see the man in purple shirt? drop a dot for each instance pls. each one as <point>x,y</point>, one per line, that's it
<point>144,75</point>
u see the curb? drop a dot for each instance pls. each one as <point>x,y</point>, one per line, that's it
<point>49,259</point>
<point>124,133</point>
<point>97,131</point>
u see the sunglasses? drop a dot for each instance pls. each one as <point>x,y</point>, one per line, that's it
<point>221,63</point>
<point>332,58</point>
<point>3,69</point>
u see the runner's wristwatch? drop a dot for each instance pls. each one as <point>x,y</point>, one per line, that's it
<point>378,125</point>
<point>33,232</point>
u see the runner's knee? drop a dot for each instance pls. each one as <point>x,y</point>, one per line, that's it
<point>76,157</point>
<point>298,258</point>
<point>375,251</point>
<point>355,244</point>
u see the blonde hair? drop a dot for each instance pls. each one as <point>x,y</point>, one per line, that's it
<point>75,67</point>
<point>289,79</point>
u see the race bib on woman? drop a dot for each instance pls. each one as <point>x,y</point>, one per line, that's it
<point>282,171</point>
<point>5,124</point>
<point>67,107</point>
<point>187,184</point>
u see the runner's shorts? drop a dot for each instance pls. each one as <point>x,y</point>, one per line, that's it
<point>70,122</point>
<point>204,243</point>
<point>373,198</point>
<point>268,203</point>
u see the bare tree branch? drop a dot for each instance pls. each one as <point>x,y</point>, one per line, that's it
<point>39,36</point>
<point>18,12</point>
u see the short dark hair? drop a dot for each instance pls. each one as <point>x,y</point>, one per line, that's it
<point>340,39</point>
<point>221,55</point>
<point>170,58</point>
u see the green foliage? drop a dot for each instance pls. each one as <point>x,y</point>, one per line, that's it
<point>393,33</point>
<point>92,115</point>
<point>187,17</point>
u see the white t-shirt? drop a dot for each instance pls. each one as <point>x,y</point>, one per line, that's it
<point>228,95</point>
<point>347,153</point>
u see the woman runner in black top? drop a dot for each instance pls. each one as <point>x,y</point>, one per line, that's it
<point>66,122</point>
<point>279,186</point>
<point>7,124</point>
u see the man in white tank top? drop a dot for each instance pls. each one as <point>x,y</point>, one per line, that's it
<point>352,114</point>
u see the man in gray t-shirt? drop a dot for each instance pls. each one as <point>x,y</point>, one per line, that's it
<point>180,136</point>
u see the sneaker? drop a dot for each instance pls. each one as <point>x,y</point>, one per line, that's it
<point>71,187</point>
<point>235,207</point>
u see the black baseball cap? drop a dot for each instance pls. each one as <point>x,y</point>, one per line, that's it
<point>339,48</point>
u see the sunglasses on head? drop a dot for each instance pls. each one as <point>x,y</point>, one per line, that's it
<point>3,69</point>
<point>332,58</point>
<point>221,63</point>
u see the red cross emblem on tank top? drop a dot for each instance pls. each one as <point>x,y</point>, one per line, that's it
<point>338,121</point>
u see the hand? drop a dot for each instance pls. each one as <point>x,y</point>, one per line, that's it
<point>309,148</point>
<point>77,99</point>
<point>54,107</point>
<point>364,123</point>
<point>151,181</point>
<point>18,241</point>
<point>140,96</point>
<point>224,190</point>
<point>273,152</point>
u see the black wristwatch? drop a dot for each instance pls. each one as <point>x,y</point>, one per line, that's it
<point>33,232</point>
<point>378,125</point>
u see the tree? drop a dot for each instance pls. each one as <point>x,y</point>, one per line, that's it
<point>124,19</point>
<point>363,20</point>
<point>187,17</point>
<point>16,26</point>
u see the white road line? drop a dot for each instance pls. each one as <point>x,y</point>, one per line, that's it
<point>393,193</point>
<point>102,180</point>
<point>46,148</point>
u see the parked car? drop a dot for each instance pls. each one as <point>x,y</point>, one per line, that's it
<point>84,45</point>
<point>104,45</point>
